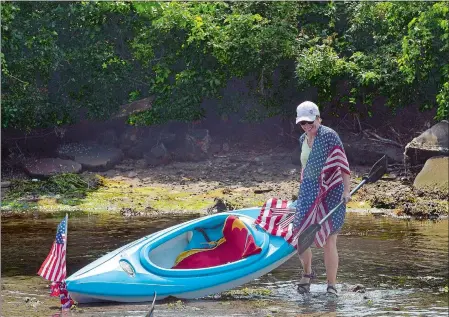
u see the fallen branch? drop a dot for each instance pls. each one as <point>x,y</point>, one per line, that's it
<point>381,139</point>
<point>358,121</point>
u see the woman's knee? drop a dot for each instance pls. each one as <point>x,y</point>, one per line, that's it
<point>306,254</point>
<point>331,242</point>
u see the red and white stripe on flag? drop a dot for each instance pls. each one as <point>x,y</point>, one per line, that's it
<point>54,266</point>
<point>331,176</point>
<point>277,219</point>
<point>336,163</point>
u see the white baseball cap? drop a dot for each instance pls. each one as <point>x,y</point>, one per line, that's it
<point>307,111</point>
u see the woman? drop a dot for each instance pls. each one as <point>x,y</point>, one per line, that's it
<point>325,181</point>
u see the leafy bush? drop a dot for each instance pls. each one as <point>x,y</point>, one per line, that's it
<point>64,61</point>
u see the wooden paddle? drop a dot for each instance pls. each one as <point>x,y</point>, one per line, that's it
<point>307,237</point>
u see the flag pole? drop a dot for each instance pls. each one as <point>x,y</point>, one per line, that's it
<point>66,300</point>
<point>66,228</point>
<point>66,238</point>
<point>67,224</point>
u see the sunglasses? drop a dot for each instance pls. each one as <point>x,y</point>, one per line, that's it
<point>306,122</point>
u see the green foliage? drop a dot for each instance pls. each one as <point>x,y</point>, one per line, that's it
<point>425,58</point>
<point>202,47</point>
<point>360,45</point>
<point>63,61</point>
<point>320,65</point>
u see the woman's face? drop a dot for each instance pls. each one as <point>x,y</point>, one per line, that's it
<point>310,127</point>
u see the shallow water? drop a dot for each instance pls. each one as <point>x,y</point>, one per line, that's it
<point>402,265</point>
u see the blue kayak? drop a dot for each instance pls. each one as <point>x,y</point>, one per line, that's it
<point>159,263</point>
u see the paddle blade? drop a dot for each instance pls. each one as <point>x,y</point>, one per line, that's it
<point>377,170</point>
<point>307,237</point>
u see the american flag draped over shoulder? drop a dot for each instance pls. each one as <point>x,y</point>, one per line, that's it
<point>321,190</point>
<point>330,178</point>
<point>54,266</point>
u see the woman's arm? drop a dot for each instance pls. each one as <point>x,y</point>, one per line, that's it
<point>347,186</point>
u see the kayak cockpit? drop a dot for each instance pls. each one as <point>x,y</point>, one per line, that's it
<point>216,244</point>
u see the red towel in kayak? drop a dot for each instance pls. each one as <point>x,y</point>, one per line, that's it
<point>236,244</point>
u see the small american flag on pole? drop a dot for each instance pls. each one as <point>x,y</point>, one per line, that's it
<point>54,266</point>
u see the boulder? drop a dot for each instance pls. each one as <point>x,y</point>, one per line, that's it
<point>159,151</point>
<point>108,137</point>
<point>46,167</point>
<point>138,150</point>
<point>434,175</point>
<point>197,145</point>
<point>158,155</point>
<point>93,157</point>
<point>432,142</point>
<point>359,153</point>
<point>130,137</point>
<point>135,107</point>
<point>169,140</point>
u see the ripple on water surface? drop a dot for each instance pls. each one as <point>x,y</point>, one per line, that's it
<point>402,265</point>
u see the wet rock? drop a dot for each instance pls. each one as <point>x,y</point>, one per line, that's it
<point>358,289</point>
<point>432,142</point>
<point>220,205</point>
<point>434,175</point>
<point>91,156</point>
<point>46,167</point>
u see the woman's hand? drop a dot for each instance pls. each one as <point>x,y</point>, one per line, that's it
<point>346,197</point>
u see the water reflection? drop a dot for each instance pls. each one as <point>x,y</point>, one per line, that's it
<point>401,263</point>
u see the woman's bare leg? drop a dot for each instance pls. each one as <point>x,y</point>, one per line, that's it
<point>306,261</point>
<point>331,259</point>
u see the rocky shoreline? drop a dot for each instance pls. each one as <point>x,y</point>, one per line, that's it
<point>190,172</point>
<point>223,182</point>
